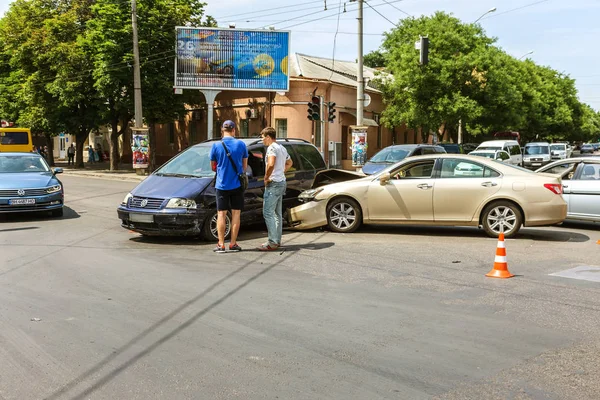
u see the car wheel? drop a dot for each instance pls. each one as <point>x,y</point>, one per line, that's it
<point>344,215</point>
<point>209,230</point>
<point>501,217</point>
<point>58,213</point>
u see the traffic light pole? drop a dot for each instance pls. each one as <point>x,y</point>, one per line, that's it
<point>360,89</point>
<point>137,86</point>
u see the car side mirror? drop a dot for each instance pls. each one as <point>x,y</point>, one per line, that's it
<point>385,178</point>
<point>58,170</point>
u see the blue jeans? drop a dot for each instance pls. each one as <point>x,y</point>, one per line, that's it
<point>272,205</point>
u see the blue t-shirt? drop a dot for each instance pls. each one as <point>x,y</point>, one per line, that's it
<point>227,178</point>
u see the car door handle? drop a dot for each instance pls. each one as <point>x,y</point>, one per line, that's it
<point>424,186</point>
<point>565,186</point>
<point>489,184</point>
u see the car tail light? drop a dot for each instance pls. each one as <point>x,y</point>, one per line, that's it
<point>554,187</point>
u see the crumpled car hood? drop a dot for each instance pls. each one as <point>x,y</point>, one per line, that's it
<point>329,176</point>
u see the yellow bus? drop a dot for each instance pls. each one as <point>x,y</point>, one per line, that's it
<point>16,139</point>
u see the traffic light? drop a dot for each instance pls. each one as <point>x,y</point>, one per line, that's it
<point>331,116</point>
<point>314,109</point>
<point>424,53</point>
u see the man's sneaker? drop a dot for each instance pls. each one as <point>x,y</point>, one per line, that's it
<point>235,247</point>
<point>268,247</point>
<point>219,249</point>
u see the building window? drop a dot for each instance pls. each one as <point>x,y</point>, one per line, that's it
<point>244,128</point>
<point>281,128</point>
<point>172,133</point>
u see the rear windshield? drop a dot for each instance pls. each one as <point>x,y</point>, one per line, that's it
<point>23,163</point>
<point>489,148</point>
<point>535,150</point>
<point>193,162</point>
<point>482,154</point>
<point>558,147</point>
<point>310,157</point>
<point>390,155</point>
<point>14,138</point>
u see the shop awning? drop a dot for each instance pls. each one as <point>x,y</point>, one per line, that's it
<point>366,121</point>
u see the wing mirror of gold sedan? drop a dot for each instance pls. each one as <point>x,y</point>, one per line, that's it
<point>385,178</point>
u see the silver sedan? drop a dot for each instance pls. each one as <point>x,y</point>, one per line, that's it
<point>581,186</point>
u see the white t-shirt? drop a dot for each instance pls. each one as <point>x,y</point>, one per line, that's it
<point>281,156</point>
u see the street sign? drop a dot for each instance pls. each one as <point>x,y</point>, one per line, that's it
<point>232,59</point>
<point>178,90</point>
<point>367,100</point>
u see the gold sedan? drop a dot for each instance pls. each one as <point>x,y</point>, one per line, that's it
<point>441,189</point>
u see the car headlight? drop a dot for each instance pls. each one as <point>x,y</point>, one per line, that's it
<point>181,203</point>
<point>309,195</point>
<point>54,189</point>
<point>126,199</point>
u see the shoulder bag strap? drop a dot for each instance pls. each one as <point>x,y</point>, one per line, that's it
<point>230,159</point>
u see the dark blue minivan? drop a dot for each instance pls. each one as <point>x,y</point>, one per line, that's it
<point>179,199</point>
<point>392,154</point>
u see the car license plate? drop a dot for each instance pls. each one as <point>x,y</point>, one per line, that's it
<point>148,218</point>
<point>536,164</point>
<point>20,202</point>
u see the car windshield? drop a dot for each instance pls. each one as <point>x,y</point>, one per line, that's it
<point>536,150</point>
<point>23,163</point>
<point>558,147</point>
<point>390,155</point>
<point>483,154</point>
<point>192,163</point>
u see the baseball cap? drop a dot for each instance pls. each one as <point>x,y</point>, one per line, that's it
<point>228,125</point>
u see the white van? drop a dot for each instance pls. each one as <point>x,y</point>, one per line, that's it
<point>537,155</point>
<point>510,146</point>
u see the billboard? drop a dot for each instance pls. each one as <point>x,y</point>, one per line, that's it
<point>232,59</point>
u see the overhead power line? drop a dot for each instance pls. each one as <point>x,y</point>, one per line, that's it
<point>402,11</point>
<point>334,14</point>
<point>515,9</point>
<point>302,4</point>
<point>383,16</point>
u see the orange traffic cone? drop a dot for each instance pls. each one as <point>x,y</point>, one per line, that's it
<point>500,265</point>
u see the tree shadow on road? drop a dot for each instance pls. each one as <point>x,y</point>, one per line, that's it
<point>541,234</point>
<point>99,380</point>
<point>246,233</point>
<point>34,216</point>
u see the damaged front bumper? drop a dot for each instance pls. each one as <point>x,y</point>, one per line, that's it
<point>174,223</point>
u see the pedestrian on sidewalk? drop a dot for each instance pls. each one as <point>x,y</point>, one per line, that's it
<point>71,155</point>
<point>229,159</point>
<point>91,154</point>
<point>278,163</point>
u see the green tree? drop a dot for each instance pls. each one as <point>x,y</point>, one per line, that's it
<point>49,74</point>
<point>375,59</point>
<point>109,40</point>
<point>443,92</point>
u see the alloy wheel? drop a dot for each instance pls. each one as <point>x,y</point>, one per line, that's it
<point>213,226</point>
<point>342,215</point>
<point>502,219</point>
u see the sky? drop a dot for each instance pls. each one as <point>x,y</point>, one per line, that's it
<point>562,34</point>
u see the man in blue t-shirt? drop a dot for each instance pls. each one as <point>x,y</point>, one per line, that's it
<point>230,194</point>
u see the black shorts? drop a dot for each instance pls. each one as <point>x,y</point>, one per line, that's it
<point>230,199</point>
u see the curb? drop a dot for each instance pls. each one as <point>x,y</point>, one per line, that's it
<point>107,176</point>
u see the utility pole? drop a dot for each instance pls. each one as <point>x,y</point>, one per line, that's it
<point>360,89</point>
<point>137,85</point>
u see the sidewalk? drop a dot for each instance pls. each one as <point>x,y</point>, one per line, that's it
<point>101,170</point>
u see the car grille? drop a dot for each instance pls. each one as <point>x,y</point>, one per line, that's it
<point>536,159</point>
<point>152,204</point>
<point>28,192</point>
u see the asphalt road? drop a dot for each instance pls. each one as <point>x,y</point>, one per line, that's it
<point>89,310</point>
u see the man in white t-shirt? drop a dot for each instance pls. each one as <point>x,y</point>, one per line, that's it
<point>278,162</point>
